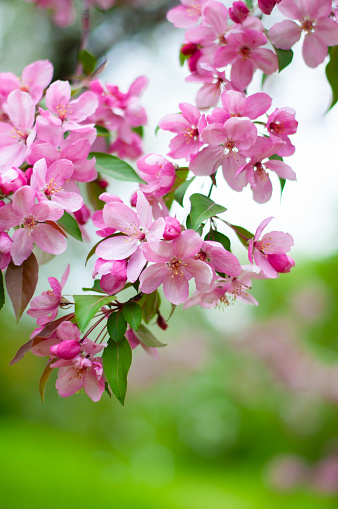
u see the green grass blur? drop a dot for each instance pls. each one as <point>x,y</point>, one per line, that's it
<point>201,427</point>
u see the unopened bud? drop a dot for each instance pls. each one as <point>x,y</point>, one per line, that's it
<point>67,349</point>
<point>238,12</point>
<point>282,263</point>
<point>172,228</point>
<point>161,322</point>
<point>133,200</point>
<point>82,215</point>
<point>189,49</point>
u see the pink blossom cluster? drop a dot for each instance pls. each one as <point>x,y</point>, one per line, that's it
<point>229,137</point>
<point>63,11</point>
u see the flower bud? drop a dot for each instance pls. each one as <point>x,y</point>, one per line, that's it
<point>11,180</point>
<point>172,228</point>
<point>266,6</point>
<point>161,322</point>
<point>133,200</point>
<point>189,49</point>
<point>282,263</point>
<point>67,349</point>
<point>238,12</point>
<point>82,215</point>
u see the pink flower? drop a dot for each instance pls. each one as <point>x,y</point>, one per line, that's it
<point>114,275</point>
<point>255,170</point>
<point>58,101</point>
<point>174,266</point>
<point>16,136</point>
<point>135,229</point>
<point>280,124</point>
<point>235,104</point>
<point>271,244</point>
<point>80,372</point>
<point>53,183</point>
<point>219,259</point>
<point>158,172</point>
<point>31,216</point>
<point>11,180</point>
<point>187,14</point>
<point>172,228</point>
<point>243,52</point>
<point>188,125</point>
<point>238,12</point>
<point>320,30</point>
<point>45,307</point>
<point>226,143</point>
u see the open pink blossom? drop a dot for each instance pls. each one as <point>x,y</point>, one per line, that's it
<point>271,244</point>
<point>243,51</point>
<point>17,135</point>
<point>187,14</point>
<point>226,143</point>
<point>235,104</point>
<point>320,30</point>
<point>45,307</point>
<point>53,183</point>
<point>174,266</point>
<point>58,100</point>
<point>219,259</point>
<point>114,275</point>
<point>280,124</point>
<point>31,217</point>
<point>255,170</point>
<point>135,229</point>
<point>80,372</point>
<point>213,81</point>
<point>188,124</point>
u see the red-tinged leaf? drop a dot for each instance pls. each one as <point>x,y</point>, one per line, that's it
<point>44,378</point>
<point>21,282</point>
<point>50,327</point>
<point>21,352</point>
<point>57,227</point>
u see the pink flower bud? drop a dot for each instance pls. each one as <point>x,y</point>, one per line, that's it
<point>102,183</point>
<point>161,322</point>
<point>67,349</point>
<point>82,215</point>
<point>238,12</point>
<point>28,174</point>
<point>2,203</point>
<point>192,62</point>
<point>133,200</point>
<point>281,262</point>
<point>189,49</point>
<point>172,228</point>
<point>12,180</point>
<point>266,6</point>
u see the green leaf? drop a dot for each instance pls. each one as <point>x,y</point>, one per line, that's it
<point>249,3</point>
<point>116,326</point>
<point>282,184</point>
<point>116,364</point>
<point>275,157</point>
<point>180,177</point>
<point>217,236</point>
<point>69,224</point>
<point>243,234</point>
<point>181,190</point>
<point>147,338</point>
<point>183,58</point>
<point>88,62</point>
<point>150,305</point>
<point>86,307</point>
<point>115,168</point>
<point>173,307</point>
<point>264,77</point>
<point>2,291</point>
<point>132,312</point>
<point>44,379</point>
<point>95,288</point>
<point>203,208</point>
<point>94,190</point>
<point>102,131</point>
<point>331,71</point>
<point>21,282</point>
<point>285,57</point>
<point>139,130</point>
<point>157,128</point>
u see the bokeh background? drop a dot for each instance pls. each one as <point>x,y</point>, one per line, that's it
<point>241,410</point>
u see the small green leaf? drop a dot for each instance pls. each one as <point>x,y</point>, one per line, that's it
<point>69,224</point>
<point>88,62</point>
<point>249,3</point>
<point>139,130</point>
<point>132,312</point>
<point>116,326</point>
<point>285,57</point>
<point>282,184</point>
<point>243,234</point>
<point>183,58</point>
<point>217,236</point>
<point>276,157</point>
<point>157,128</point>
<point>86,307</point>
<point>173,307</point>
<point>2,291</point>
<point>116,364</point>
<point>115,168</point>
<point>181,190</point>
<point>44,379</point>
<point>203,208</point>
<point>331,71</point>
<point>147,338</point>
<point>95,288</point>
<point>102,131</point>
<point>150,305</point>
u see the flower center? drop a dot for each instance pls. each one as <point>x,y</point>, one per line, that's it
<point>277,127</point>
<point>63,111</point>
<point>260,172</point>
<point>19,134</point>
<point>175,267</point>
<point>201,255</point>
<point>245,52</point>
<point>51,188</point>
<point>192,133</point>
<point>30,223</point>
<point>307,25</point>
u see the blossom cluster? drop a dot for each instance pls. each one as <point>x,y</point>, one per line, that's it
<point>54,137</point>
